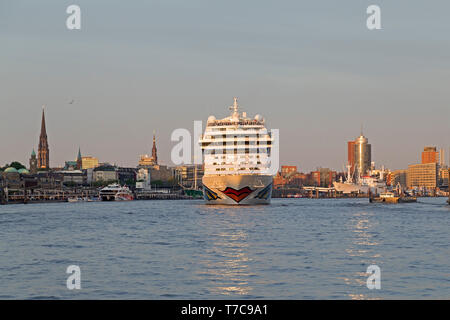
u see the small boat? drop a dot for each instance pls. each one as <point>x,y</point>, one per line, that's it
<point>74,199</point>
<point>124,195</point>
<point>407,199</point>
<point>390,197</point>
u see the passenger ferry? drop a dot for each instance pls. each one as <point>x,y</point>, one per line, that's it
<point>236,152</point>
<point>115,192</point>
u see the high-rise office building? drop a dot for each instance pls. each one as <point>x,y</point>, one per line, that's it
<point>430,155</point>
<point>362,155</point>
<point>423,175</point>
<point>351,155</point>
<point>442,158</point>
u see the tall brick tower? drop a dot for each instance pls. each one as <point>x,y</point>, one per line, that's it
<point>43,152</point>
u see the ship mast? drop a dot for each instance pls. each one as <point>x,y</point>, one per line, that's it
<point>349,176</point>
<point>235,108</point>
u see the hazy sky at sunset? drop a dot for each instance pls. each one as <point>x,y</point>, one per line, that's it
<point>312,68</point>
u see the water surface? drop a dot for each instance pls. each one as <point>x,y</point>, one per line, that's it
<point>292,249</point>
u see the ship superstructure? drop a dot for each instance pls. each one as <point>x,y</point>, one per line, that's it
<point>236,153</point>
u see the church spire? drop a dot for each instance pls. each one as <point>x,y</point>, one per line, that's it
<point>154,151</point>
<point>43,129</point>
<point>43,152</point>
<point>79,160</point>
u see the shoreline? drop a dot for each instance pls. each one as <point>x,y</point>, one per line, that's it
<point>178,197</point>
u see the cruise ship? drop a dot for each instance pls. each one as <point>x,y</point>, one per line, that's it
<point>236,152</point>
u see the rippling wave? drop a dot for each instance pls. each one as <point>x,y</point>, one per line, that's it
<point>292,249</point>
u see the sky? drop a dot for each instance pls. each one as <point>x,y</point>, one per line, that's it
<point>311,68</point>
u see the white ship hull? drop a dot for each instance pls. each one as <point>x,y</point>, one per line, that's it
<point>237,189</point>
<point>345,187</point>
<point>115,192</point>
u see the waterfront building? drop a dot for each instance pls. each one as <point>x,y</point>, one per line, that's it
<point>49,180</point>
<point>162,173</point>
<point>33,163</point>
<point>190,176</point>
<point>74,165</point>
<point>323,177</point>
<point>147,161</point>
<point>359,155</point>
<point>422,175</point>
<point>89,163</point>
<point>442,158</point>
<point>143,179</point>
<point>288,171</point>
<point>89,175</point>
<point>43,151</point>
<point>290,177</point>
<point>443,177</point>
<point>12,179</point>
<point>126,176</point>
<point>399,176</point>
<point>279,181</point>
<point>159,173</point>
<point>69,165</point>
<point>362,155</point>
<point>351,155</point>
<point>430,155</point>
<point>105,173</point>
<point>315,177</point>
<point>73,177</point>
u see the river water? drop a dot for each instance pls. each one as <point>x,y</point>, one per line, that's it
<point>291,249</point>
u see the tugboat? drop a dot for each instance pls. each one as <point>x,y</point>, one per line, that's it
<point>391,197</point>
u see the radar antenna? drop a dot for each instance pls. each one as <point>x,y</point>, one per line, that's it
<point>235,108</point>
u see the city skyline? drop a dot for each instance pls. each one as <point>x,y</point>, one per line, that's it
<point>438,154</point>
<point>164,73</point>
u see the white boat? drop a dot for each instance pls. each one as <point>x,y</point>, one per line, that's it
<point>236,153</point>
<point>348,186</point>
<point>124,194</point>
<point>115,192</point>
<point>362,185</point>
